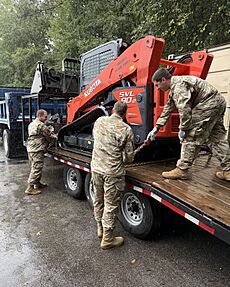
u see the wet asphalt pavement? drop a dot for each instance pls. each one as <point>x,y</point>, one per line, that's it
<point>50,240</point>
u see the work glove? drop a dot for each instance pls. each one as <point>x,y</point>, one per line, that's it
<point>151,135</point>
<point>181,135</point>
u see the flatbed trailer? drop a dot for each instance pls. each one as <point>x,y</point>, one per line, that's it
<point>203,199</point>
<point>114,72</point>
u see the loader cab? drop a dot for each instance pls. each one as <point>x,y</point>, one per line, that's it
<point>94,61</point>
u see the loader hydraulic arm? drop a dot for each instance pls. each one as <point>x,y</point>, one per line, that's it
<point>135,65</point>
<point>126,78</point>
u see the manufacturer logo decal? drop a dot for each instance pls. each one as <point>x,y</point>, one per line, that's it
<point>92,88</point>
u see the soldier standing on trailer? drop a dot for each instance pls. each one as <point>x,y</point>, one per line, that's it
<point>113,148</point>
<point>39,138</point>
<point>201,109</point>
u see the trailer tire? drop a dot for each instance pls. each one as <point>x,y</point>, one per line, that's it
<point>73,182</point>
<point>8,144</point>
<point>136,214</point>
<point>89,189</point>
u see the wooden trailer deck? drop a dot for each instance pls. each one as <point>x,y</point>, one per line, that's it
<point>203,191</point>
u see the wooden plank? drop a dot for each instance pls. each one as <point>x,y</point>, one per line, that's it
<point>203,191</point>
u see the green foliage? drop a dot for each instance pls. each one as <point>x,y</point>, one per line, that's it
<point>82,25</point>
<point>23,40</point>
<point>187,25</point>
<point>49,30</point>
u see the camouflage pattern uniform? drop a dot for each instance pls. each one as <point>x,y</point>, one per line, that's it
<point>201,109</point>
<point>38,140</point>
<point>113,147</point>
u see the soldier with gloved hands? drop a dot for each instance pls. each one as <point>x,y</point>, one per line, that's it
<point>201,109</point>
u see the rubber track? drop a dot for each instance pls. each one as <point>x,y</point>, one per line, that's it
<point>76,127</point>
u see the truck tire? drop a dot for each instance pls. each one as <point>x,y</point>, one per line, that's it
<point>73,182</point>
<point>8,144</point>
<point>89,190</point>
<point>137,215</point>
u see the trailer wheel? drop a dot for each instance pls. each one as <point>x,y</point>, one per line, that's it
<point>8,144</point>
<point>89,189</point>
<point>136,214</point>
<point>73,182</point>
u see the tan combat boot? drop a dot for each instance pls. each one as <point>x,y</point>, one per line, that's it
<point>109,241</point>
<point>176,173</point>
<point>224,174</point>
<point>32,191</point>
<point>40,185</point>
<point>99,230</point>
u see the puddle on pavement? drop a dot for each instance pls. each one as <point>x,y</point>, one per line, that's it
<point>13,161</point>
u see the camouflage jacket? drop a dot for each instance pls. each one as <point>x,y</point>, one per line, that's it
<point>186,92</point>
<point>39,136</point>
<point>113,145</point>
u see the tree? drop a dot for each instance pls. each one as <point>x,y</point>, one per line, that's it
<point>24,40</point>
<point>50,30</point>
<point>83,25</point>
<point>186,26</point>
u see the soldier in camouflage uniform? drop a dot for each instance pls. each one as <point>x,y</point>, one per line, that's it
<point>201,109</point>
<point>113,148</point>
<point>39,138</point>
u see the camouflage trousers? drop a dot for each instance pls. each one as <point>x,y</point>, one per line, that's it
<point>36,163</point>
<point>208,128</point>
<point>108,191</point>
